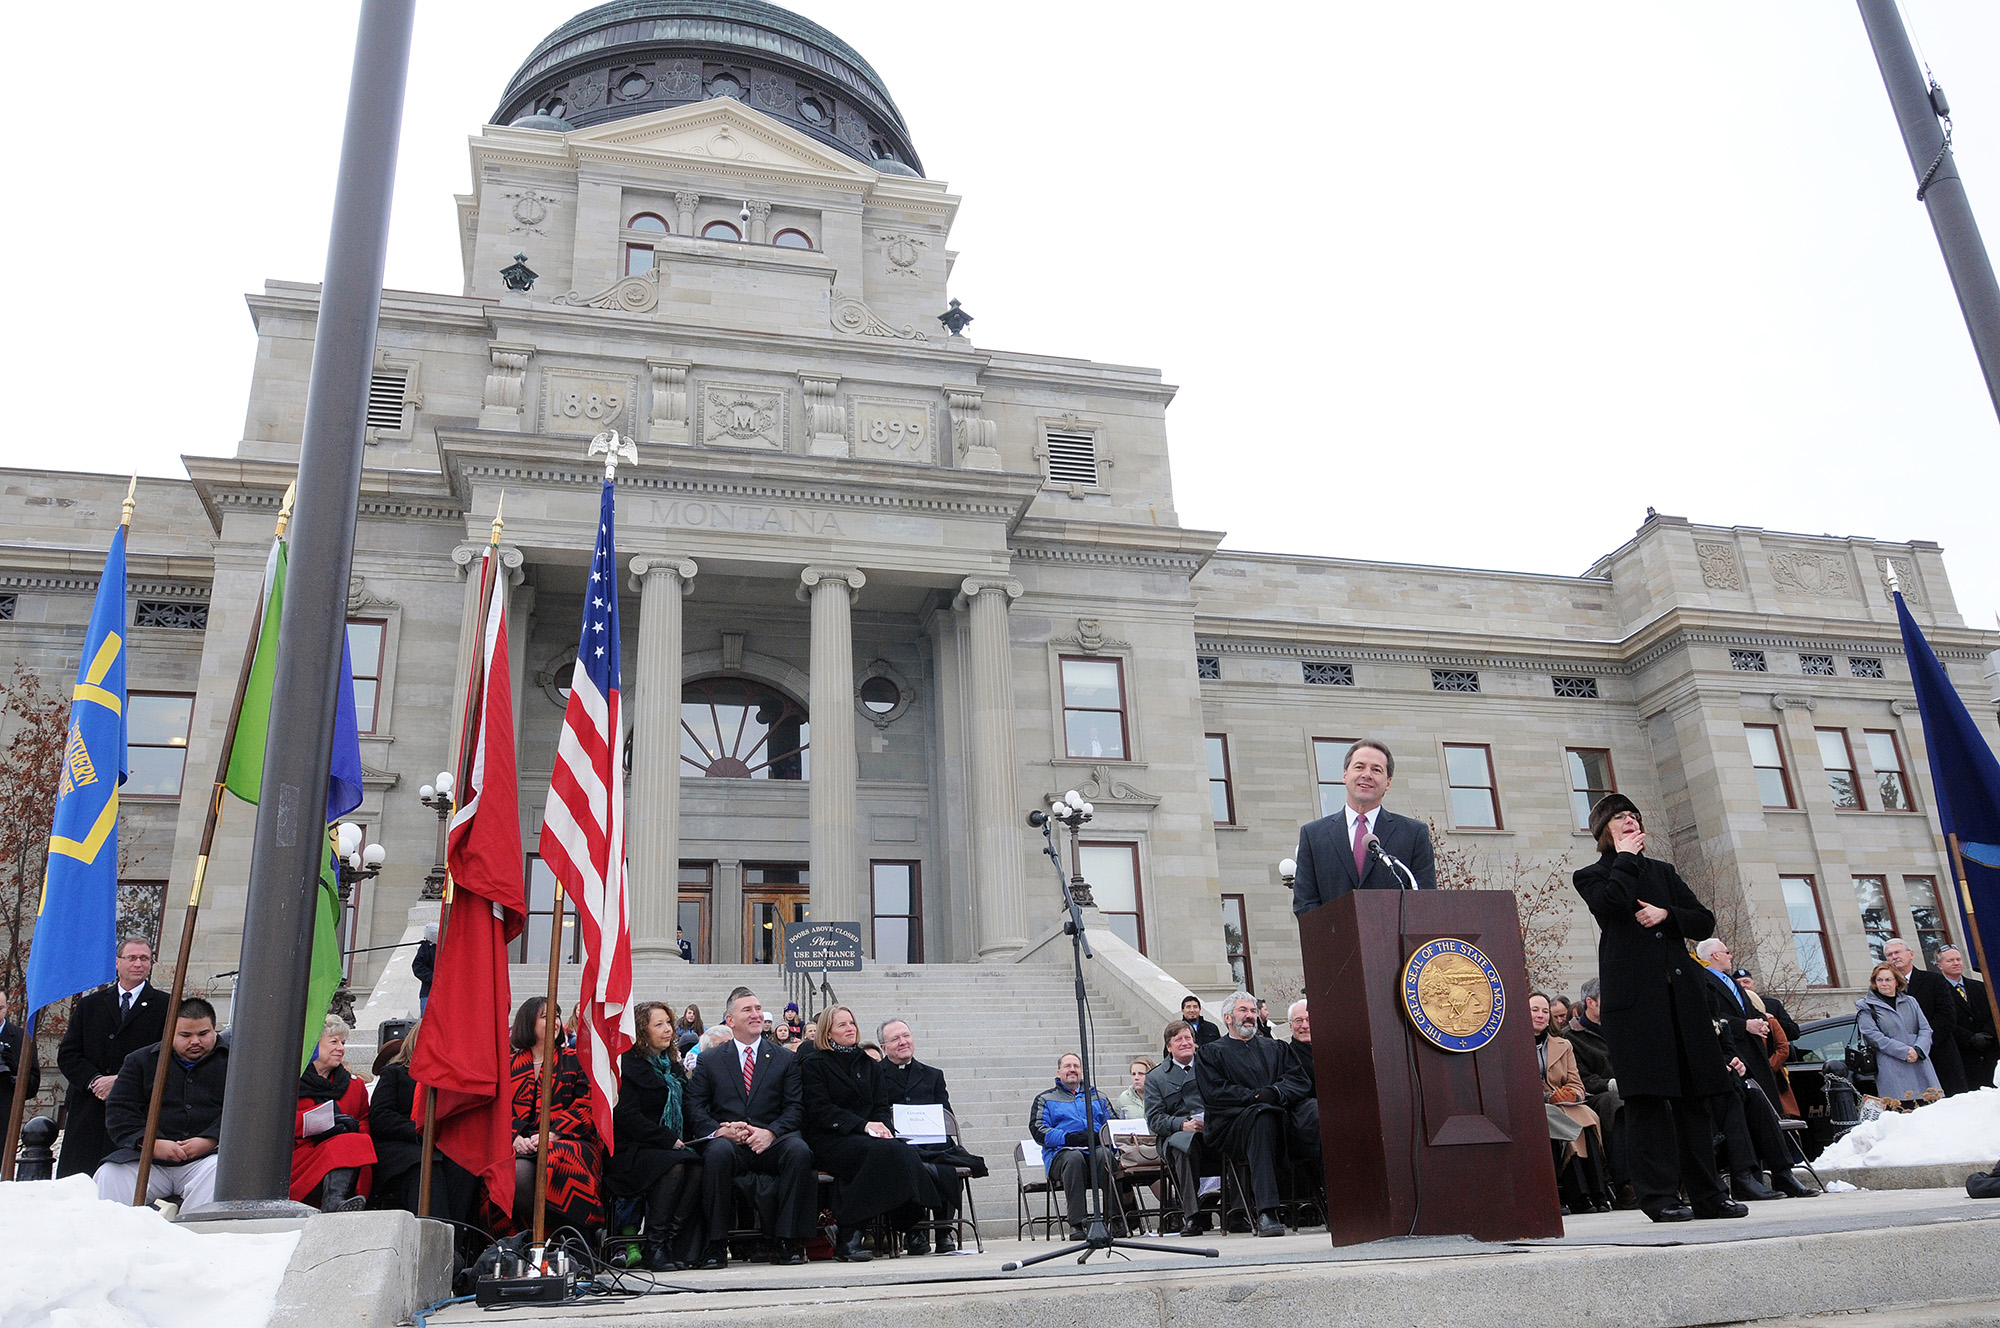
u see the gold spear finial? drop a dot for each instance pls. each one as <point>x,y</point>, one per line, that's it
<point>285,507</point>
<point>131,501</point>
<point>498,524</point>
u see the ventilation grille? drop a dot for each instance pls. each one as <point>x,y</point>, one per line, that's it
<point>7,608</point>
<point>1072,457</point>
<point>1454,680</point>
<point>171,613</point>
<point>1816,666</point>
<point>1578,689</point>
<point>1208,668</point>
<point>1748,661</point>
<point>1329,675</point>
<point>386,389</point>
<point>1864,667</point>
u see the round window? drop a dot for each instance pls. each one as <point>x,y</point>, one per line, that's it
<point>722,85</point>
<point>633,86</point>
<point>812,112</point>
<point>881,695</point>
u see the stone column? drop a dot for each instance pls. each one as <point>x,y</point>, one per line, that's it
<point>1000,905</point>
<point>653,828</point>
<point>760,221</point>
<point>835,832</point>
<point>686,201</point>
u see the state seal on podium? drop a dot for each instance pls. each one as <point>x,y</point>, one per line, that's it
<point>1453,995</point>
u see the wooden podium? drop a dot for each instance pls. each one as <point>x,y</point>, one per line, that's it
<point>1418,1140</point>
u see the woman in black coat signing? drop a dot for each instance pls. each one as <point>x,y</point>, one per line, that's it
<point>1656,1021</point>
<point>846,1105</point>
<point>647,1157</point>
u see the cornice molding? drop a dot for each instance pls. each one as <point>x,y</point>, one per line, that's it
<point>1524,663</point>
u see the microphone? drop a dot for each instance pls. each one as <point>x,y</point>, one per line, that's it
<point>1375,850</point>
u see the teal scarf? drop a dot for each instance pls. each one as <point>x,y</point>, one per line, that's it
<point>670,1114</point>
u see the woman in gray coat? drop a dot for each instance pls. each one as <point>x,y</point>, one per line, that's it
<point>1895,1026</point>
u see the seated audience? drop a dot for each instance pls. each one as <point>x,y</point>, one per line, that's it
<point>395,1115</point>
<point>333,1163</point>
<point>1204,1028</point>
<point>1068,1130</point>
<point>1131,1104</point>
<point>1173,1114</point>
<point>648,1159</point>
<point>1264,1019</point>
<point>1747,1117</point>
<point>782,1035</point>
<point>1563,1093</point>
<point>908,1081</point>
<point>1560,1012</point>
<point>574,1195</point>
<point>746,1092</point>
<point>1894,1024</point>
<point>847,1113</point>
<point>794,1022</point>
<point>1299,1054</point>
<point>190,1128</point>
<point>1778,1045</point>
<point>10,1057</point>
<point>1249,1091</point>
<point>1600,1088</point>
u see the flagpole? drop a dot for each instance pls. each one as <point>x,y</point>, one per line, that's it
<point>201,868</point>
<point>19,1105</point>
<point>474,700</point>
<point>550,1041</point>
<point>1972,925</point>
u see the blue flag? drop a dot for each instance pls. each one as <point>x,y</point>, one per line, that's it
<point>76,931</point>
<point>343,781</point>
<point>1966,780</point>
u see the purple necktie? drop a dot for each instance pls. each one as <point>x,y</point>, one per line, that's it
<point>1360,847</point>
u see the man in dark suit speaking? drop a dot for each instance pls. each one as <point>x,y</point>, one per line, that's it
<point>1333,851</point>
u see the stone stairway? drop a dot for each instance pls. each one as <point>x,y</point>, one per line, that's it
<point>994,1029</point>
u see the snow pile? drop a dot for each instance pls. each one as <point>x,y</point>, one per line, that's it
<point>83,1262</point>
<point>1962,1129</point>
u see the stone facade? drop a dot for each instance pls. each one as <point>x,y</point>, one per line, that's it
<point>859,519</point>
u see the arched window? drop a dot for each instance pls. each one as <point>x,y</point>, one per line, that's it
<point>792,239</point>
<point>725,85</point>
<point>556,107</point>
<point>736,728</point>
<point>721,230</point>
<point>649,221</point>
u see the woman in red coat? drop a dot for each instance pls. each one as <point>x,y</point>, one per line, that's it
<point>333,1162</point>
<point>575,1190</point>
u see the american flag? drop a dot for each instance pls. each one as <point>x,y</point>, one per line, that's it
<point>583,830</point>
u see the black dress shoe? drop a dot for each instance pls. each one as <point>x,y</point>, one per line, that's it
<point>1785,1182</point>
<point>947,1241</point>
<point>1196,1225</point>
<point>714,1256</point>
<point>1745,1185</point>
<point>1674,1213</point>
<point>1724,1208</point>
<point>790,1253</point>
<point>1268,1225</point>
<point>851,1246</point>
<point>916,1242</point>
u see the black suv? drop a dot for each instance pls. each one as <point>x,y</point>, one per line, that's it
<point>1828,1092</point>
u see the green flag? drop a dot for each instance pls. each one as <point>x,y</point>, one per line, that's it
<point>246,758</point>
<point>326,971</point>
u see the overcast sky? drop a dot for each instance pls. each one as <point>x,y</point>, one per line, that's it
<point>1457,283</point>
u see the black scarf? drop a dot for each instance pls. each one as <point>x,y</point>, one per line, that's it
<point>324,1088</point>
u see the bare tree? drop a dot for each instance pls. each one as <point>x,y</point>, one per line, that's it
<point>1542,895</point>
<point>37,729</point>
<point>1750,938</point>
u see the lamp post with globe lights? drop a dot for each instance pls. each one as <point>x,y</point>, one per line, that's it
<point>1072,811</point>
<point>354,862</point>
<point>437,797</point>
<point>1288,873</point>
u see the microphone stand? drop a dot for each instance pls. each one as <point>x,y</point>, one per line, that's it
<point>1097,1234</point>
<point>1395,864</point>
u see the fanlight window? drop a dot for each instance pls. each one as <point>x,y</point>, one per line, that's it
<point>732,728</point>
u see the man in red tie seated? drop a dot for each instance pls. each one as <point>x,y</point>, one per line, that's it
<point>745,1093</point>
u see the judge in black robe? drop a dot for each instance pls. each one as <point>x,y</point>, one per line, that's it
<point>1249,1087</point>
<point>845,1121</point>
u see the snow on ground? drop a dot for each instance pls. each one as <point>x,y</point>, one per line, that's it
<point>1959,1129</point>
<point>79,1261</point>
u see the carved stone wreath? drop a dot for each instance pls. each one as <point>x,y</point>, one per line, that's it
<point>530,210</point>
<point>902,251</point>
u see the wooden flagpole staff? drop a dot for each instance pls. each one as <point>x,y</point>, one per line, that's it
<point>474,697</point>
<point>19,1105</point>
<point>208,828</point>
<point>1972,925</point>
<point>551,1039</point>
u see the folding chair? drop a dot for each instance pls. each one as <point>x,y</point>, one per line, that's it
<point>1028,1162</point>
<point>1136,1179</point>
<point>1792,1129</point>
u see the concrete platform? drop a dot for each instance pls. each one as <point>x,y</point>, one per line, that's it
<point>1790,1259</point>
<point>1948,1176</point>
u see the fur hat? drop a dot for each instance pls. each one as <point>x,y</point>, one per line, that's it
<point>1608,806</point>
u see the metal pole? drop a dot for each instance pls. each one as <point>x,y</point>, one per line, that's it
<point>551,1049</point>
<point>268,1015</point>
<point>208,829</point>
<point>1940,188</point>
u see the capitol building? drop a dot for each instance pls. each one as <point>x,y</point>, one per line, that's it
<point>886,590</point>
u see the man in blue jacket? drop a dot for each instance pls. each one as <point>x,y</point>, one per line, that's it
<point>1060,1125</point>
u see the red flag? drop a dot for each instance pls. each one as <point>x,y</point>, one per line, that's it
<point>583,830</point>
<point>462,1049</point>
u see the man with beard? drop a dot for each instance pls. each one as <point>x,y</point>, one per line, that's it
<point>1249,1088</point>
<point>190,1129</point>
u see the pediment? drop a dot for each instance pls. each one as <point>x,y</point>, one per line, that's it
<point>722,131</point>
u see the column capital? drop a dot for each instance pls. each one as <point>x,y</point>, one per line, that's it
<point>851,577</point>
<point>646,564</point>
<point>974,586</point>
<point>466,555</point>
